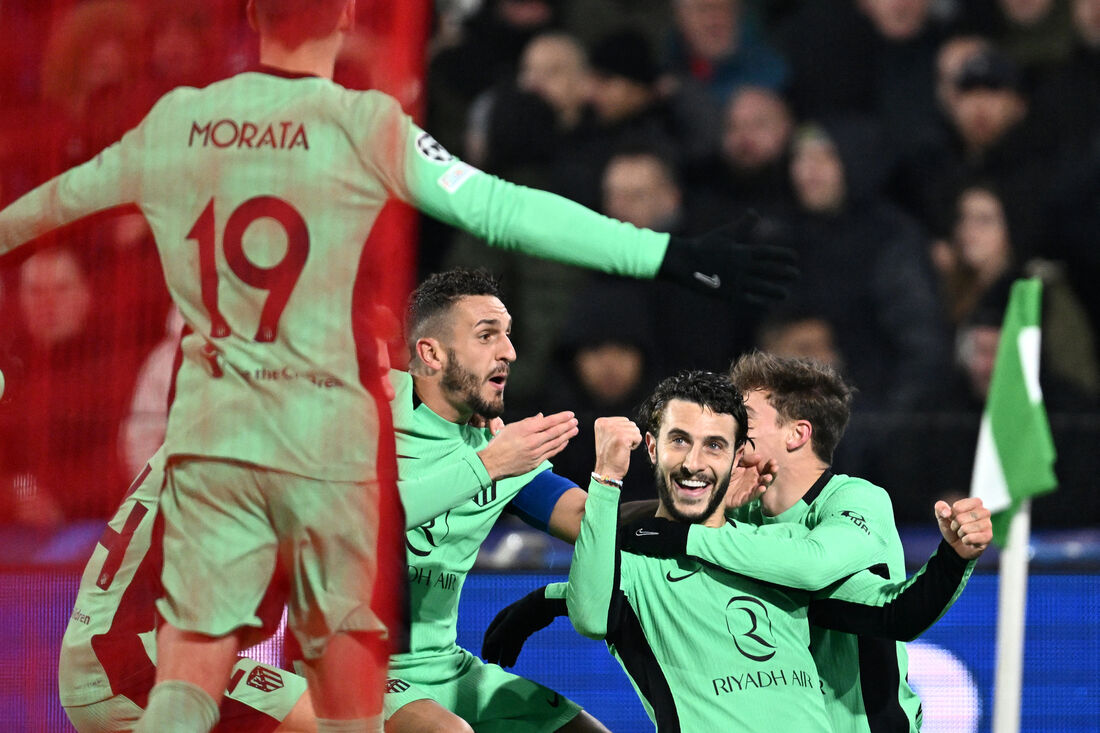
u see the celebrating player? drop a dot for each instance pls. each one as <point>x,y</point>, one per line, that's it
<point>633,603</point>
<point>459,333</point>
<point>797,410</point>
<point>260,191</point>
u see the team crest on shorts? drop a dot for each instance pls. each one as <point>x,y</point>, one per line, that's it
<point>262,678</point>
<point>430,148</point>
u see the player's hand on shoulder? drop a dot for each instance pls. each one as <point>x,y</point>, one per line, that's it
<point>615,438</point>
<point>521,446</point>
<point>966,525</point>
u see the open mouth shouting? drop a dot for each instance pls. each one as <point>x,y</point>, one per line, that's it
<point>498,379</point>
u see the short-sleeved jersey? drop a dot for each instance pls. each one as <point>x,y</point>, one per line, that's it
<point>706,649</point>
<point>260,191</point>
<point>441,551</point>
<point>851,527</point>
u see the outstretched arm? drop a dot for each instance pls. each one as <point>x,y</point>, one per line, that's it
<point>110,179</point>
<point>546,225</point>
<point>905,610</point>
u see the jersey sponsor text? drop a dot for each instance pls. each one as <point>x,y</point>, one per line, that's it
<point>763,678</point>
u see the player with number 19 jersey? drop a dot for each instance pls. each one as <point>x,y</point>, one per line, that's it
<point>260,191</point>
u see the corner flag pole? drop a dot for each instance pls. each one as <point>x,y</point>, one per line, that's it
<point>1014,462</point>
<point>1011,615</point>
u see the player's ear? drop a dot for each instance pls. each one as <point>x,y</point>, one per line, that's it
<point>253,21</point>
<point>651,448</point>
<point>798,434</point>
<point>430,352</point>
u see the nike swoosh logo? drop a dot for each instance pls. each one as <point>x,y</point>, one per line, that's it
<point>556,701</point>
<point>669,578</point>
<point>711,281</point>
<point>645,533</point>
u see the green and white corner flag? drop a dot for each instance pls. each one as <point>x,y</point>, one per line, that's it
<point>1015,456</point>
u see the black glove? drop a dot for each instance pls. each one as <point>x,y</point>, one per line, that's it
<point>722,263</point>
<point>654,537</point>
<point>505,636</point>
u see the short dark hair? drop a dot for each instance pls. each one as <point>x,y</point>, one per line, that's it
<point>435,296</point>
<point>714,391</point>
<point>295,21</point>
<point>800,389</point>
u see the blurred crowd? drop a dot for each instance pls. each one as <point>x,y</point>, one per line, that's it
<point>919,155</point>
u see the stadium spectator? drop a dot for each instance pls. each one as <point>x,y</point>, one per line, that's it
<point>629,100</point>
<point>486,53</point>
<point>979,257</point>
<point>847,233</point>
<point>980,266</point>
<point>641,185</point>
<point>752,169</point>
<point>59,436</point>
<point>880,55</point>
<point>717,47</point>
<point>605,365</point>
<point>991,137</point>
<point>800,334</point>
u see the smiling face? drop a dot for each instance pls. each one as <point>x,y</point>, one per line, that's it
<point>693,455</point>
<point>479,353</point>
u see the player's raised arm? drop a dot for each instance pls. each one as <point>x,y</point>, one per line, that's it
<point>593,573</point>
<point>722,263</point>
<point>109,179</point>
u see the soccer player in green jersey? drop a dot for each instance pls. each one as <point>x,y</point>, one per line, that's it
<point>458,331</point>
<point>260,191</point>
<point>703,659</point>
<point>706,649</point>
<point>797,411</point>
<point>108,654</point>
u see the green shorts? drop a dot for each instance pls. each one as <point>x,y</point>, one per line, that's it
<point>257,700</point>
<point>228,525</point>
<point>484,695</point>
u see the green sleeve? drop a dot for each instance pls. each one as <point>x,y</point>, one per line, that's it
<point>852,533</point>
<point>464,477</point>
<point>867,605</point>
<point>105,181</point>
<point>556,590</point>
<point>592,573</point>
<point>528,220</point>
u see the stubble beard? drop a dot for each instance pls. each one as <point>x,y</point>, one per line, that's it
<point>664,495</point>
<point>465,384</point>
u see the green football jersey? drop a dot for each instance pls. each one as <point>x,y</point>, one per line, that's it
<point>260,191</point>
<point>705,649</point>
<point>441,550</point>
<point>851,525</point>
